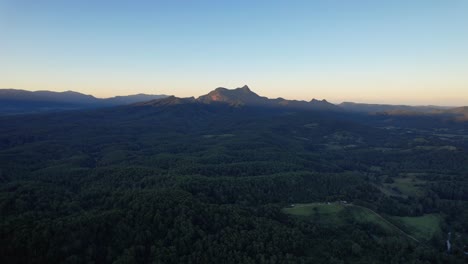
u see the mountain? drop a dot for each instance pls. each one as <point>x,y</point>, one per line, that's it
<point>239,96</point>
<point>13,101</point>
<point>245,97</point>
<point>167,101</point>
<point>461,113</point>
<point>130,99</point>
<point>46,96</point>
<point>382,108</point>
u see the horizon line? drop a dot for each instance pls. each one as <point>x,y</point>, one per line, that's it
<point>164,94</point>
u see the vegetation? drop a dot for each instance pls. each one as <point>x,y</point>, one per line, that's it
<point>422,227</point>
<point>323,210</point>
<point>193,183</point>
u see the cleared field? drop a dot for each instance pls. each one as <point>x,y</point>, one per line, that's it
<point>421,227</point>
<point>311,209</point>
<point>337,214</point>
<point>408,186</point>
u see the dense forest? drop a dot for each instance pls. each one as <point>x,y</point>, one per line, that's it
<point>214,183</point>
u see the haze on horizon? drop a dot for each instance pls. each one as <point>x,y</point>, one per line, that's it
<point>399,52</point>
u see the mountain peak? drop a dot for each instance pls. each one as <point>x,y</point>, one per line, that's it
<point>167,101</point>
<point>318,101</point>
<point>238,96</point>
<point>245,88</point>
<point>244,96</point>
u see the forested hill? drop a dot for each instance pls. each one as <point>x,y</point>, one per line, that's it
<point>182,180</point>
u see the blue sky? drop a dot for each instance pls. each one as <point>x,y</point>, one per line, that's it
<point>413,52</point>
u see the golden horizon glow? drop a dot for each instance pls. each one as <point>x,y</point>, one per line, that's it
<point>392,52</point>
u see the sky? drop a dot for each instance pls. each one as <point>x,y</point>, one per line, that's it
<point>399,51</point>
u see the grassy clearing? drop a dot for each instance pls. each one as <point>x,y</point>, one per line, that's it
<point>405,186</point>
<point>320,212</point>
<point>409,186</point>
<point>421,227</point>
<point>310,209</point>
<point>337,214</point>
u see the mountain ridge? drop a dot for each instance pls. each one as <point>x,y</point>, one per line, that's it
<point>244,96</point>
<point>14,101</point>
<point>17,101</point>
<point>374,108</point>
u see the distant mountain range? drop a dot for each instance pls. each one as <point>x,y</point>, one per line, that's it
<point>380,108</point>
<point>458,113</point>
<point>14,101</point>
<point>245,97</point>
